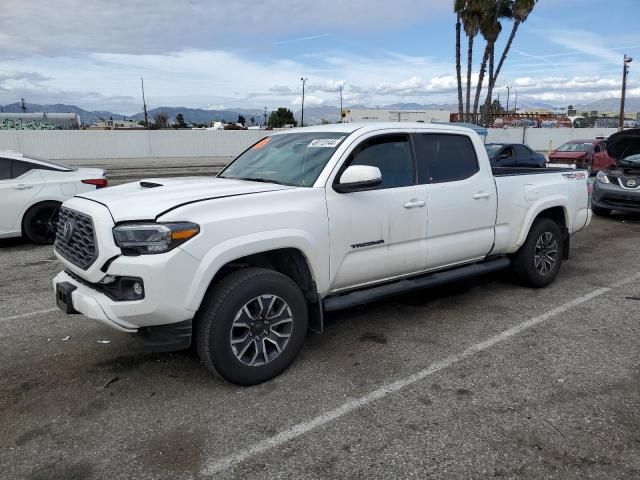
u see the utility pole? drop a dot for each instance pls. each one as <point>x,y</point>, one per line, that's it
<point>23,106</point>
<point>341,103</point>
<point>515,104</point>
<point>625,71</point>
<point>265,116</point>
<point>508,94</point>
<point>304,80</point>
<point>144,106</point>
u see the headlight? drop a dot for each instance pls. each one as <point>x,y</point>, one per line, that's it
<point>602,178</point>
<point>150,238</point>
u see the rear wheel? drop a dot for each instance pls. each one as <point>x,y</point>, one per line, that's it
<point>41,222</point>
<point>601,212</point>
<point>538,261</point>
<point>251,325</point>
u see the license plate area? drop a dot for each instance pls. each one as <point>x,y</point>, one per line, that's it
<point>64,298</point>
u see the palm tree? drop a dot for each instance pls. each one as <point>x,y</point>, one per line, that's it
<point>458,66</point>
<point>470,14</point>
<point>520,11</point>
<point>490,28</point>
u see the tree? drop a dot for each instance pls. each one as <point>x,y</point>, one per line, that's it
<point>490,28</point>
<point>180,121</point>
<point>520,11</point>
<point>470,14</point>
<point>281,117</point>
<point>253,121</point>
<point>161,120</point>
<point>458,62</point>
<point>241,120</point>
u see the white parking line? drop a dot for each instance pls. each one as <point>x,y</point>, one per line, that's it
<point>25,315</point>
<point>214,466</point>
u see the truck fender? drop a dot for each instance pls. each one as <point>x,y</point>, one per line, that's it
<point>239,247</point>
<point>535,210</point>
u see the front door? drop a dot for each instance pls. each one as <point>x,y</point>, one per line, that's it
<point>378,234</point>
<point>461,198</point>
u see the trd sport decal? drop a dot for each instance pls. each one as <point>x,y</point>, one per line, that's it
<point>575,176</point>
<point>367,244</point>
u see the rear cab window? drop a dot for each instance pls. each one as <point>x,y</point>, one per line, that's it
<point>444,157</point>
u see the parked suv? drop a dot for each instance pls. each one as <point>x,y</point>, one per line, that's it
<point>618,187</point>
<point>302,223</point>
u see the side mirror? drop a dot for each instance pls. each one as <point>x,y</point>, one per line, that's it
<point>503,155</point>
<point>358,177</point>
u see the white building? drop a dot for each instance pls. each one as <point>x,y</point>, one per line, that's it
<point>427,116</point>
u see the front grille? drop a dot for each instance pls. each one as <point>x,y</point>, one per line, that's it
<point>75,238</point>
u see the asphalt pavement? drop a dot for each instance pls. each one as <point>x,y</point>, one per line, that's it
<point>480,379</point>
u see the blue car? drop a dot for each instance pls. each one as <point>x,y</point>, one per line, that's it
<point>514,155</point>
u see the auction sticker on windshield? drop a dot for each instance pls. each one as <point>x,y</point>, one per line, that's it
<point>261,144</point>
<point>325,142</point>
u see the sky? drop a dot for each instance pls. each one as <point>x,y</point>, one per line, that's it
<point>252,54</point>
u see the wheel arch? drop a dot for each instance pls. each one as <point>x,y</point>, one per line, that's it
<point>560,215</point>
<point>290,261</point>
<point>30,206</point>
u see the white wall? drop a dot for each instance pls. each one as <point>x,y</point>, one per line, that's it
<point>87,144</point>
<point>114,144</point>
<point>543,139</point>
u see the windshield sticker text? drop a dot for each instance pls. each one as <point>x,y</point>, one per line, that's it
<point>325,142</point>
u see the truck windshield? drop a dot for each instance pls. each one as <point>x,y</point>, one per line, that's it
<point>289,159</point>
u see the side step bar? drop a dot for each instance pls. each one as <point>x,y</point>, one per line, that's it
<point>361,297</point>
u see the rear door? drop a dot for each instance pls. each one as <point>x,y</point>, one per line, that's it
<point>461,198</point>
<point>523,156</point>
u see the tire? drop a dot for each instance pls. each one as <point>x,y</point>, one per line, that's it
<point>538,261</point>
<point>234,329</point>
<point>40,222</point>
<point>601,212</point>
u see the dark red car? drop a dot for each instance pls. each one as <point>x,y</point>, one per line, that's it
<point>588,154</point>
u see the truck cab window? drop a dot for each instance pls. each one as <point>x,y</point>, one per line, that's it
<point>392,155</point>
<point>444,157</point>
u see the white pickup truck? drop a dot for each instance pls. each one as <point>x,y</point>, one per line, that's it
<point>305,222</point>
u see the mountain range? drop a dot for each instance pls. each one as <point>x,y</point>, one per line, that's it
<point>313,115</point>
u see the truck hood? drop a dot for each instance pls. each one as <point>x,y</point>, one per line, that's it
<point>150,198</point>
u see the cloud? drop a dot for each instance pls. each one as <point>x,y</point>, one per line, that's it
<point>125,26</point>
<point>309,101</point>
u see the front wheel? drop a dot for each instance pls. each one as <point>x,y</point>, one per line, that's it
<point>41,222</point>
<point>538,261</point>
<point>251,325</point>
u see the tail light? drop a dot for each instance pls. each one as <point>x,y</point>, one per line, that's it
<point>98,182</point>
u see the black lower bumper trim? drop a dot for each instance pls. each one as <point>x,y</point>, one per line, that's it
<point>166,338</point>
<point>64,299</point>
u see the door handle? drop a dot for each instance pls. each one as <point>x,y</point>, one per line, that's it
<point>22,186</point>
<point>415,203</point>
<point>480,195</point>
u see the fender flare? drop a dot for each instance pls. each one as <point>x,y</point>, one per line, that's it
<point>239,247</point>
<point>539,207</point>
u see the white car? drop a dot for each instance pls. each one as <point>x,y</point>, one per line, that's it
<point>32,190</point>
<point>305,222</point>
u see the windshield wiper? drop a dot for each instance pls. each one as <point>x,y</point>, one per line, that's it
<point>257,179</point>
